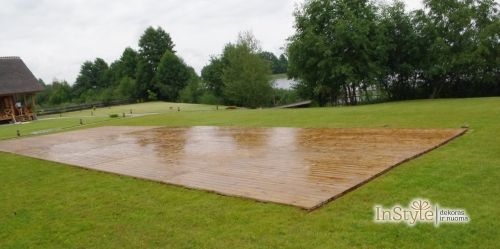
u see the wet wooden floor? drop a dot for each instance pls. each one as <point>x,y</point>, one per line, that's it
<point>303,167</point>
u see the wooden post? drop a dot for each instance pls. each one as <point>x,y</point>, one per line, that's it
<point>33,109</point>
<point>24,106</point>
<point>11,100</point>
<point>2,107</point>
<point>2,104</point>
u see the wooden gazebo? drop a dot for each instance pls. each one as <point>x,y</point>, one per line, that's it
<point>17,85</point>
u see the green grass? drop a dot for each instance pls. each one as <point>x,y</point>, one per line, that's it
<point>142,108</point>
<point>49,125</point>
<point>71,120</point>
<point>50,205</point>
<point>279,76</point>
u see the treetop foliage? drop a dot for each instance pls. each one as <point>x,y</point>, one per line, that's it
<point>172,76</point>
<point>153,44</point>
<point>247,77</point>
<point>154,68</point>
<point>240,75</point>
<point>344,50</point>
<point>278,66</point>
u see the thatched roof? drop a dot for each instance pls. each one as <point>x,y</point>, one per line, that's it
<point>16,78</point>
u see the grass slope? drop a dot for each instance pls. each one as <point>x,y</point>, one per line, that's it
<point>50,205</point>
<point>141,108</point>
<point>279,76</point>
<point>71,120</point>
<point>49,125</point>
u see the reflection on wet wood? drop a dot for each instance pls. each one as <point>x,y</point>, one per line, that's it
<point>304,167</point>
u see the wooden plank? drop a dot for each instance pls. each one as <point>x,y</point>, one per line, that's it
<point>300,167</point>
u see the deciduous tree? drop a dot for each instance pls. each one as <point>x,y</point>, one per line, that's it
<point>93,75</point>
<point>212,75</point>
<point>152,46</point>
<point>457,31</point>
<point>335,49</point>
<point>403,47</point>
<point>246,78</point>
<point>172,77</point>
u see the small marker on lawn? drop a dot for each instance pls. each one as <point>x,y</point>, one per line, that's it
<point>124,114</point>
<point>130,111</point>
<point>18,133</point>
<point>92,113</point>
<point>81,122</point>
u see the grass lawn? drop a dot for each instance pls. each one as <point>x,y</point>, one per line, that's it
<point>47,125</point>
<point>141,108</point>
<point>50,205</point>
<point>279,76</point>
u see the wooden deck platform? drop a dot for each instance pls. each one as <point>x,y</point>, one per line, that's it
<point>301,167</point>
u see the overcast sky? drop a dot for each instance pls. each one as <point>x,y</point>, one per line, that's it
<point>55,37</point>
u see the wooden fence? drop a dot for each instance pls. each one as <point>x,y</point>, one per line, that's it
<point>78,107</point>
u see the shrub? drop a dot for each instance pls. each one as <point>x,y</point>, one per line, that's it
<point>152,96</point>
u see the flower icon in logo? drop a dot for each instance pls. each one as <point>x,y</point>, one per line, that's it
<point>420,205</point>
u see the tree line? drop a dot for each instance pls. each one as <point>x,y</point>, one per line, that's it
<point>342,52</point>
<point>155,72</point>
<point>347,51</point>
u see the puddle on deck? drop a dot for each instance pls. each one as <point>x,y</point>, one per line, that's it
<point>304,167</point>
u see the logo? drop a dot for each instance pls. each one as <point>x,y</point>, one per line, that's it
<point>420,210</point>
